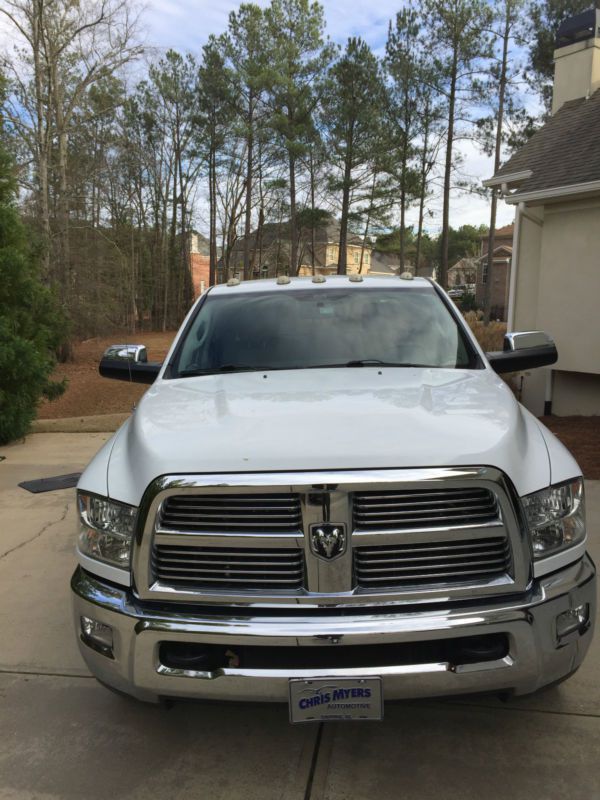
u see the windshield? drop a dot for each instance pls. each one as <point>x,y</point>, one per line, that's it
<point>304,329</point>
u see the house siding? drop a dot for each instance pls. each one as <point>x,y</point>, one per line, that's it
<point>557,290</point>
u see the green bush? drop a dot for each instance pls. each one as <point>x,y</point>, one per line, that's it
<point>31,323</point>
<point>468,303</point>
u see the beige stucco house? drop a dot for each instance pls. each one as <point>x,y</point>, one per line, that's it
<point>554,184</point>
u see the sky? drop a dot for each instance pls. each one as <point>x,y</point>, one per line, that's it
<point>187,24</point>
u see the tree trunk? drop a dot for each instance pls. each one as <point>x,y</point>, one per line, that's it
<point>212,188</point>
<point>443,275</point>
<point>42,135</point>
<point>423,193</point>
<point>312,216</point>
<point>343,250</point>
<point>487,300</point>
<point>367,224</point>
<point>293,224</point>
<point>249,168</point>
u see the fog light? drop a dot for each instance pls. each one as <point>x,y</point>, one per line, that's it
<point>576,619</point>
<point>97,635</point>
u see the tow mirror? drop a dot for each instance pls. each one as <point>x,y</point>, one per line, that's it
<point>525,350</point>
<point>128,362</point>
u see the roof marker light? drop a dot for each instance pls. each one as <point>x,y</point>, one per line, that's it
<point>319,279</point>
<point>282,280</point>
<point>406,276</point>
<point>355,277</point>
<point>233,282</point>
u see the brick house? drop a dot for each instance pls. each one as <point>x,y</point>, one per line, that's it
<point>199,263</point>
<point>464,272</point>
<point>501,271</point>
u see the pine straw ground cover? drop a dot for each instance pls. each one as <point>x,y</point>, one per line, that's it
<point>88,394</point>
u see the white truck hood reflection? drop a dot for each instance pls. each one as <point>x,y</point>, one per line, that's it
<point>323,419</point>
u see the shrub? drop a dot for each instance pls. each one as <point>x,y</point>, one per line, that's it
<point>468,302</point>
<point>490,337</point>
<point>31,324</point>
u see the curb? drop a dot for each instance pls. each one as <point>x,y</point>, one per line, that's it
<point>101,423</point>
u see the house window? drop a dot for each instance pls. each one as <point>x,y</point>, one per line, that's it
<point>356,256</point>
<point>484,271</point>
<point>366,258</point>
<point>330,254</point>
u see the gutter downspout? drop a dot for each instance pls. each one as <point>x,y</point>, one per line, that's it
<point>510,324</point>
<point>520,211</point>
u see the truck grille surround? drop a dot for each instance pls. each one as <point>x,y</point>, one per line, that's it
<point>406,536</point>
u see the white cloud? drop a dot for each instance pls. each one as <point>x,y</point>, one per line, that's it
<point>187,24</point>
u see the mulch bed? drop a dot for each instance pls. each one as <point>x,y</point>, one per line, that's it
<point>87,392</point>
<point>581,435</point>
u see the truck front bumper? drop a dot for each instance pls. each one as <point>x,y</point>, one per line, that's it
<point>535,654</point>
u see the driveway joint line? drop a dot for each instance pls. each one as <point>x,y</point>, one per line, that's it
<point>313,763</point>
<point>526,710</point>
<point>45,673</point>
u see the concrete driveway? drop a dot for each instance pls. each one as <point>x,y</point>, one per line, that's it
<point>64,736</point>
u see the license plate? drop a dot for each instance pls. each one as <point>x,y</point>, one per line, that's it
<point>319,699</point>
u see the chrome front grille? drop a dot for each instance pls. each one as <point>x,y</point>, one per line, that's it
<point>231,513</point>
<point>210,568</point>
<point>418,535</point>
<point>434,562</point>
<point>423,508</point>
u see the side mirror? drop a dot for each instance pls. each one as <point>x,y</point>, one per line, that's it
<point>128,362</point>
<point>525,350</point>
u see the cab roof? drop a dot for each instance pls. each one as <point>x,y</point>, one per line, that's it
<point>331,281</point>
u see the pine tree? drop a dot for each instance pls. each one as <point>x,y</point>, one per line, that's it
<point>352,112</point>
<point>457,34</point>
<point>298,59</point>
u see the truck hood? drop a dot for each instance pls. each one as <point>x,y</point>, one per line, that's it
<point>325,419</point>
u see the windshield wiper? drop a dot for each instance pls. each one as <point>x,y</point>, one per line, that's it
<point>189,373</point>
<point>370,362</point>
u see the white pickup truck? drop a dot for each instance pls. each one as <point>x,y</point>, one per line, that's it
<point>328,497</point>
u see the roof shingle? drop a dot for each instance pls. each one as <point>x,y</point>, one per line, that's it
<point>565,152</point>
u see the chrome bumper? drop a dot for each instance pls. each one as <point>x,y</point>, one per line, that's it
<point>535,656</point>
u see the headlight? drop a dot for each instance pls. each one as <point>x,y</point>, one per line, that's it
<point>106,529</point>
<point>556,518</point>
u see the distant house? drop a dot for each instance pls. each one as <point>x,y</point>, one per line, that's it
<point>503,245</point>
<point>554,182</point>
<point>199,262</point>
<point>269,251</point>
<point>464,272</point>
<point>385,263</point>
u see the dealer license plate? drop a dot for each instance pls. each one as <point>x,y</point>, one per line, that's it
<point>321,699</point>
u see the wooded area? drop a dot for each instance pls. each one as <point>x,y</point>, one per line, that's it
<point>270,122</point>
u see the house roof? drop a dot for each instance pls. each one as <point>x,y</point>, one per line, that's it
<point>564,152</point>
<point>327,233</point>
<point>467,262</point>
<point>504,232</point>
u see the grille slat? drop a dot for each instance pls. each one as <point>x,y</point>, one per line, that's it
<point>458,560</point>
<point>242,513</point>
<point>397,510</point>
<point>206,567</point>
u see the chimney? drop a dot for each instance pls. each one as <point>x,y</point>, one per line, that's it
<point>577,57</point>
